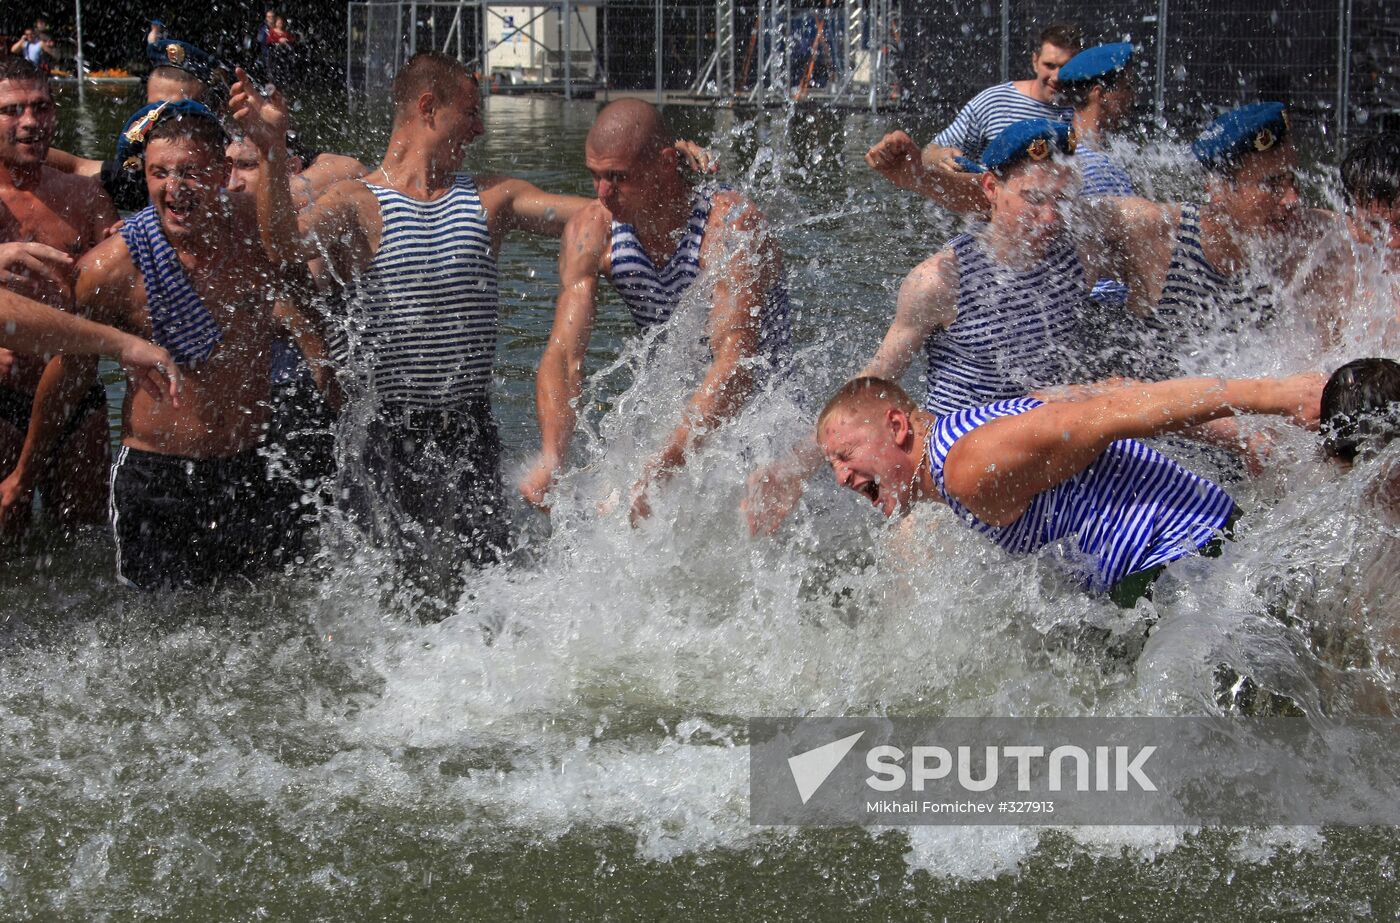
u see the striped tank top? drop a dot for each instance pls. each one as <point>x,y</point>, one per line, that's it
<point>1015,330</point>
<point>652,295</point>
<point>423,320</point>
<point>1198,298</point>
<point>179,320</point>
<point>1103,176</point>
<point>1132,509</point>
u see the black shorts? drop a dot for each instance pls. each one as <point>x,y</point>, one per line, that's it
<point>190,521</point>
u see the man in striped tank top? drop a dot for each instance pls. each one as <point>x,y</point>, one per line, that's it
<point>1189,267</point>
<point>1099,84</point>
<point>1028,474</point>
<point>190,502</point>
<point>652,235</point>
<point>990,112</point>
<point>995,312</point>
<point>416,243</point>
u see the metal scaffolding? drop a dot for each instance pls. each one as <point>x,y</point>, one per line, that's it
<point>761,52</point>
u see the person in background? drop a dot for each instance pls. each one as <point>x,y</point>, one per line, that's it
<point>988,113</point>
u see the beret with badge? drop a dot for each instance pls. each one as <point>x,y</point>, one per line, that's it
<point>1256,127</point>
<point>1028,139</point>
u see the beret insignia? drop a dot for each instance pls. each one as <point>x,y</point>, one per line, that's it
<point>174,54</point>
<point>1038,150</point>
<point>1264,140</point>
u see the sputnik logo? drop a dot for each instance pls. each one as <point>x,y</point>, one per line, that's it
<point>810,769</point>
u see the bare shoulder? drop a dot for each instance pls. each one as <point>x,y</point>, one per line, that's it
<point>934,276</point>
<point>107,281</point>
<point>731,207</point>
<point>348,201</point>
<point>83,200</point>
<point>337,164</point>
<point>590,225</point>
<point>500,189</point>
<point>109,261</point>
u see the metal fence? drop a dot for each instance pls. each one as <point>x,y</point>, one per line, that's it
<point>1335,62</point>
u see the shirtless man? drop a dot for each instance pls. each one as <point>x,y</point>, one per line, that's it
<point>47,219</point>
<point>651,234</point>
<point>188,485</point>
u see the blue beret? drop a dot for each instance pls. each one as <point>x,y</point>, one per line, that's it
<point>1094,63</point>
<point>1256,127</point>
<point>1029,139</point>
<point>131,143</point>
<point>169,52</point>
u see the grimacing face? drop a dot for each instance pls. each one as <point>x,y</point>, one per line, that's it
<point>871,451</point>
<point>185,180</point>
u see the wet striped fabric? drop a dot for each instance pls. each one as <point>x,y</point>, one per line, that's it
<point>652,295</point>
<point>1015,330</point>
<point>1197,296</point>
<point>179,320</point>
<point>423,325</point>
<point>988,113</point>
<point>1130,510</point>
<point>1102,175</point>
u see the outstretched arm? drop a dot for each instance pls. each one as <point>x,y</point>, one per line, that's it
<point>72,163</point>
<point>30,327</point>
<point>560,377</point>
<point>896,158</point>
<point>525,207</point>
<point>100,285</point>
<point>329,227</point>
<point>997,469</point>
<point>738,240</point>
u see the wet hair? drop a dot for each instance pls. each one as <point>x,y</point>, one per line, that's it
<point>1371,170</point>
<point>867,389</point>
<point>202,130</point>
<point>1361,407</point>
<point>1062,35</point>
<point>15,67</point>
<point>427,72</point>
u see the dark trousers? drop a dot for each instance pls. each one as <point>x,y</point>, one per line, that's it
<point>426,485</point>
<point>190,521</point>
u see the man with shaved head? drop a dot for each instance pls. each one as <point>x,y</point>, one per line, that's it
<point>654,235</point>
